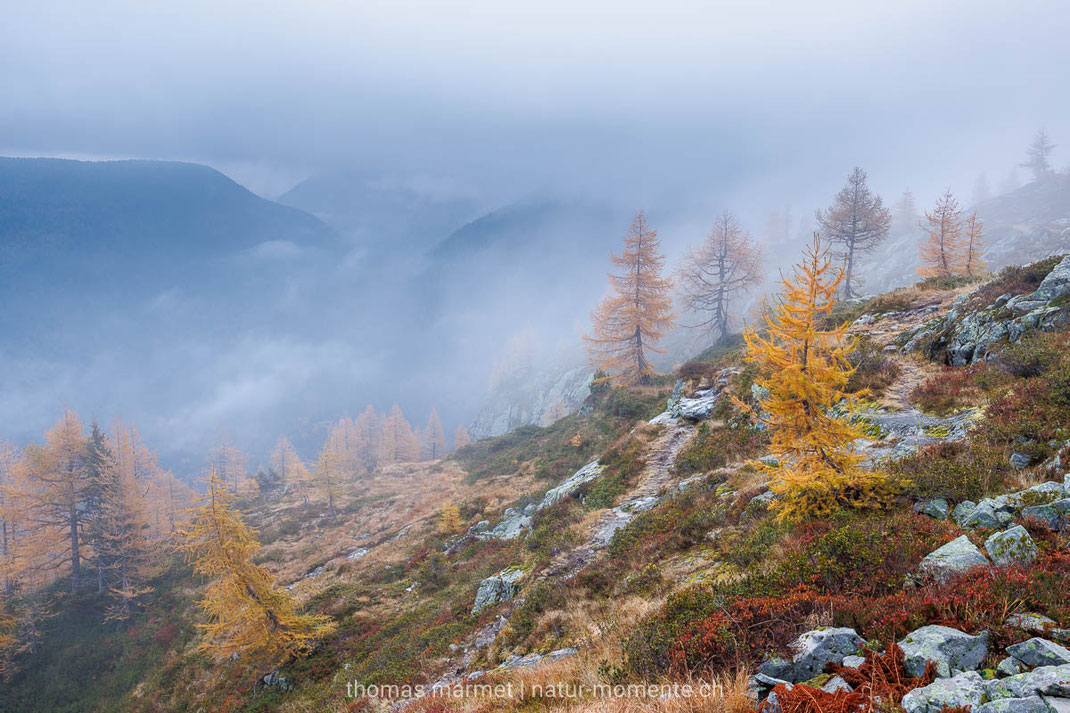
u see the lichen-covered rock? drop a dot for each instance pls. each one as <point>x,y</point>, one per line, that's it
<point>497,588</point>
<point>815,649</point>
<point>584,475</point>
<point>1030,622</point>
<point>938,508</point>
<point>1012,546</point>
<point>1032,704</point>
<point>1040,652</point>
<point>965,689</point>
<point>1020,460</point>
<point>1043,680</point>
<point>836,684</point>
<point>1047,514</point>
<point>990,513</point>
<point>962,511</point>
<point>959,555</point>
<point>698,408</point>
<point>1009,666</point>
<point>853,661</point>
<point>952,650</point>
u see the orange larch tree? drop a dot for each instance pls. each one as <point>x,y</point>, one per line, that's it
<point>460,438</point>
<point>973,246</point>
<point>629,323</point>
<point>941,251</point>
<point>805,370</point>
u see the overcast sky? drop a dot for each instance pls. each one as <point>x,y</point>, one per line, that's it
<point>499,97</point>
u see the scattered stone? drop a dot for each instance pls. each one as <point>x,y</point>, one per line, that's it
<point>1062,506</point>
<point>497,588</point>
<point>1012,546</point>
<point>1020,460</point>
<point>758,504</point>
<point>698,408</point>
<point>965,689</point>
<point>990,514</point>
<point>815,649</point>
<point>962,511</point>
<point>777,668</point>
<point>1009,666</point>
<point>937,508</point>
<point>836,684</point>
<point>1057,705</point>
<point>583,475</point>
<point>959,555</point>
<point>769,461</point>
<point>1037,623</point>
<point>357,553</point>
<point>951,649</point>
<point>1032,704</point>
<point>1047,514</point>
<point>853,661</point>
<point>1040,652</point>
<point>1043,680</point>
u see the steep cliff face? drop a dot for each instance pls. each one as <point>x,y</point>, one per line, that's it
<point>537,399</point>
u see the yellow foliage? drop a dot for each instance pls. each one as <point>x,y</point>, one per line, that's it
<point>246,611</point>
<point>449,521</point>
<point>805,370</point>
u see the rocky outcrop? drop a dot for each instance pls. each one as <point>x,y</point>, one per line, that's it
<point>515,521</point>
<point>533,398</point>
<point>965,689</point>
<point>498,588</point>
<point>959,555</point>
<point>970,336</point>
<point>952,650</point>
<point>1043,680</point>
<point>1040,652</point>
<point>815,649</point>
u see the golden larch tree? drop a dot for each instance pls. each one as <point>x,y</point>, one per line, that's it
<point>460,438</point>
<point>287,464</point>
<point>716,274</point>
<point>328,477</point>
<point>973,246</point>
<point>247,612</point>
<point>397,442</point>
<point>449,520</point>
<point>230,464</point>
<point>124,546</point>
<point>941,250</point>
<point>804,368</point>
<point>55,497</point>
<point>435,437</point>
<point>628,324</point>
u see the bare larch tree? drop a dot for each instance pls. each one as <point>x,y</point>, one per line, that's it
<point>857,221</point>
<point>717,273</point>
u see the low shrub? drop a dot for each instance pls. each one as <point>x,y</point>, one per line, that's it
<point>964,470</point>
<point>713,446</point>
<point>873,370</point>
<point>950,390</point>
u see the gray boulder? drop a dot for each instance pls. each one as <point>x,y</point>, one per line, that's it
<point>966,689</point>
<point>777,668</point>
<point>1009,666</point>
<point>1040,652</point>
<point>836,684</point>
<point>1062,506</point>
<point>1042,494</point>
<point>815,649</point>
<point>938,508</point>
<point>1028,621</point>
<point>497,588</point>
<point>584,475</point>
<point>1043,680</point>
<point>1032,704</point>
<point>962,511</point>
<point>1012,546</point>
<point>957,556</point>
<point>951,649</point>
<point>698,408</point>
<point>1057,705</point>
<point>853,661</point>
<point>1047,514</point>
<point>1020,460</point>
<point>990,514</point>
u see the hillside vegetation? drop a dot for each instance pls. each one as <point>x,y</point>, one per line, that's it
<point>662,563</point>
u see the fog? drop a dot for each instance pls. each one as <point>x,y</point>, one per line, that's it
<point>463,108</point>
